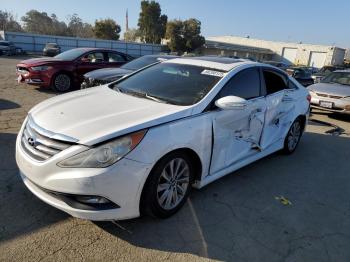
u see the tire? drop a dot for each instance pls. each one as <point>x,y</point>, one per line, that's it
<point>293,136</point>
<point>62,82</point>
<point>163,195</point>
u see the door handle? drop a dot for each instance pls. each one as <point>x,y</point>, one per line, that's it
<point>287,99</point>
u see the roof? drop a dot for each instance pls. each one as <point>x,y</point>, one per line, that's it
<point>231,46</point>
<point>214,62</point>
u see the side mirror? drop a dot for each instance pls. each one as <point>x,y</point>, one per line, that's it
<point>231,103</point>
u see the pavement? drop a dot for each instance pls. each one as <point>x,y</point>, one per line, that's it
<point>281,208</point>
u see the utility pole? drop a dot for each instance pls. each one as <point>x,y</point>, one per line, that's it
<point>127,21</point>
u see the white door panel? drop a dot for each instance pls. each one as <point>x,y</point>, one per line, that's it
<point>237,133</point>
<point>280,110</point>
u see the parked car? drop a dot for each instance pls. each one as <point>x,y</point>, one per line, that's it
<point>67,69</point>
<point>7,48</point>
<point>107,75</point>
<point>303,76</point>
<point>280,65</point>
<point>139,145</point>
<point>51,49</point>
<point>324,71</point>
<point>332,93</point>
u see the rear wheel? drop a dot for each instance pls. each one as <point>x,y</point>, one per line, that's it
<point>293,137</point>
<point>168,186</point>
<point>62,82</point>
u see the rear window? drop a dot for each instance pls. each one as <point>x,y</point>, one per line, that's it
<point>171,83</point>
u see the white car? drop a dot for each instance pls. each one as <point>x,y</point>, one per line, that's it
<point>138,145</point>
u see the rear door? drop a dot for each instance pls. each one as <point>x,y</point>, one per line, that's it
<point>237,132</point>
<point>280,106</point>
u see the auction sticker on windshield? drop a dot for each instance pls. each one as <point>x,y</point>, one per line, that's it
<point>212,73</point>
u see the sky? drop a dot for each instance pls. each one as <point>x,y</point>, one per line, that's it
<point>307,21</point>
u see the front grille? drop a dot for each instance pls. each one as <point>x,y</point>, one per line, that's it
<point>330,96</point>
<point>39,146</point>
<point>90,82</point>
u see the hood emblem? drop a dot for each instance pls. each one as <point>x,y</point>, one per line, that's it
<point>32,141</point>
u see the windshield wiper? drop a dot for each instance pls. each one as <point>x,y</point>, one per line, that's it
<point>155,98</point>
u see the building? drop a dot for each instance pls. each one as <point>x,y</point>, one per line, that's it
<point>290,53</point>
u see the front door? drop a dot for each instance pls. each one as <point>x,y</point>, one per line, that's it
<point>237,133</point>
<point>279,107</point>
<point>89,62</point>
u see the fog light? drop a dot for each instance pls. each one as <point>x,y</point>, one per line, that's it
<point>92,200</point>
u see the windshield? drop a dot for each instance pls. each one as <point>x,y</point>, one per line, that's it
<point>342,78</point>
<point>140,62</point>
<point>71,54</point>
<point>51,45</point>
<point>171,83</point>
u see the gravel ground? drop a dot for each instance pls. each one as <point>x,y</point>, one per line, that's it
<point>237,218</point>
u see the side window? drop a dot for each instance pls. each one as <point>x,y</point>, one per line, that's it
<point>274,82</point>
<point>115,57</point>
<point>245,84</point>
<point>96,57</point>
<point>291,85</point>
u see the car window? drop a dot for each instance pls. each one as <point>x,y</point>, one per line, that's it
<point>171,83</point>
<point>342,78</point>
<point>115,57</point>
<point>245,84</point>
<point>291,85</point>
<point>274,82</point>
<point>95,57</point>
<point>140,62</point>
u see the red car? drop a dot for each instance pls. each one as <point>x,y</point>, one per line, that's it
<point>66,70</point>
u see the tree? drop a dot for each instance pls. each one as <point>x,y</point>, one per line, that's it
<point>152,24</point>
<point>78,28</point>
<point>174,33</point>
<point>8,22</point>
<point>132,35</point>
<point>192,34</point>
<point>184,36</point>
<point>37,22</point>
<point>107,29</point>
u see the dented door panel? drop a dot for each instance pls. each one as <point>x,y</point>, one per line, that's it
<point>237,133</point>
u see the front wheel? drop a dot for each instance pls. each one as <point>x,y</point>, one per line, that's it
<point>167,186</point>
<point>62,82</point>
<point>293,137</point>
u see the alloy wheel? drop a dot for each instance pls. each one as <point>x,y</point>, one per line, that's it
<point>294,135</point>
<point>173,183</point>
<point>62,82</point>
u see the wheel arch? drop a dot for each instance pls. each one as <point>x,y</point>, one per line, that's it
<point>197,163</point>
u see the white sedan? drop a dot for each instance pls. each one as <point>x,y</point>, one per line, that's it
<point>138,145</point>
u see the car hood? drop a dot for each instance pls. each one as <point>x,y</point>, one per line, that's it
<point>40,61</point>
<point>97,114</point>
<point>108,73</point>
<point>333,89</point>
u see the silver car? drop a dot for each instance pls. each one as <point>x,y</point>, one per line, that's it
<point>332,93</point>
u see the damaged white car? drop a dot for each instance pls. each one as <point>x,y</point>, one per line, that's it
<point>138,145</point>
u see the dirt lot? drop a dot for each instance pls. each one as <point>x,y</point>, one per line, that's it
<point>234,219</point>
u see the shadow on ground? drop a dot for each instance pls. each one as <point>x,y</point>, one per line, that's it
<point>238,218</point>
<point>21,212</point>
<point>7,104</point>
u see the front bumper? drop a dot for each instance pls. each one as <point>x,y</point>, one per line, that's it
<point>42,78</point>
<point>120,183</point>
<point>338,105</point>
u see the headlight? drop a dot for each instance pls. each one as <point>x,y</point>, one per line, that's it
<point>106,154</point>
<point>40,68</point>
